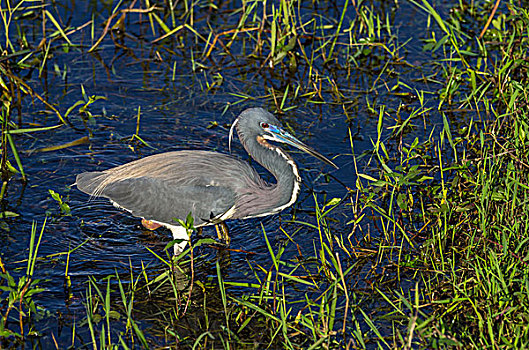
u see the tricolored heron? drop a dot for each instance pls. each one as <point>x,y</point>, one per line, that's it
<point>212,187</point>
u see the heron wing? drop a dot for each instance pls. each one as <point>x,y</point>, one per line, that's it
<point>159,200</point>
<point>177,168</point>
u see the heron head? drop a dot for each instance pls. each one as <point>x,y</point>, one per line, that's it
<point>263,126</point>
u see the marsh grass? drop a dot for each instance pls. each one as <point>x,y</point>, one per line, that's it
<point>19,309</point>
<point>466,201</point>
<point>434,251</point>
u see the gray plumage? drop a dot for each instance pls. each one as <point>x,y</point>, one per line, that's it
<point>213,187</point>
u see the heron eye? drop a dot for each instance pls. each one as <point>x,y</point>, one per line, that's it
<point>264,125</point>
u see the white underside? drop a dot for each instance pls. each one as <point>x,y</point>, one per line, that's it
<point>179,232</point>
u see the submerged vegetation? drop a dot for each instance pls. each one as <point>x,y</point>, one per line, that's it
<point>426,244</point>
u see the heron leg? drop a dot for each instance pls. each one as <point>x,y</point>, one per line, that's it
<point>222,232</point>
<point>219,233</point>
<point>225,232</point>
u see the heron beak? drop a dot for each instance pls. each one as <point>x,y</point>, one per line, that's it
<point>280,135</point>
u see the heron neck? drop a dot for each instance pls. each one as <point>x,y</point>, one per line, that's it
<point>281,165</point>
